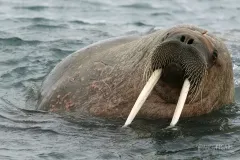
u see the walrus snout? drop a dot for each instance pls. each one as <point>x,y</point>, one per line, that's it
<point>179,61</point>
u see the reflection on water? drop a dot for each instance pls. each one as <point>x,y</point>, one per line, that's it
<point>35,35</point>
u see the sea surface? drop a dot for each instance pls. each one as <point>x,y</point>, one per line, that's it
<point>35,35</point>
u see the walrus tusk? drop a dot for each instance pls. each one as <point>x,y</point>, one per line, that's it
<point>181,102</point>
<point>143,96</point>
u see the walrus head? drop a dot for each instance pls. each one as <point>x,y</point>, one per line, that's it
<point>182,66</point>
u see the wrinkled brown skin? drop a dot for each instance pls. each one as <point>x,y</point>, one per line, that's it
<point>105,79</point>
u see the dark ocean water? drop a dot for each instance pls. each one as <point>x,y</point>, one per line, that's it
<point>35,35</point>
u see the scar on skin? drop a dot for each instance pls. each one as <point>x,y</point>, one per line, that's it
<point>68,104</point>
<point>65,96</point>
<point>53,108</point>
<point>72,79</point>
<point>94,85</point>
<point>204,32</point>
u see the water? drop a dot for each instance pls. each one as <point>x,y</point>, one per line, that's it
<point>36,35</point>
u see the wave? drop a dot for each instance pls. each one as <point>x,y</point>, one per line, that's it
<point>32,8</point>
<point>161,14</point>
<point>16,41</point>
<point>141,24</point>
<point>87,23</point>
<point>138,6</point>
<point>46,26</point>
<point>35,19</point>
<point>61,51</point>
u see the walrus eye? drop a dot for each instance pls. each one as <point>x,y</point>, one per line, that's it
<point>214,55</point>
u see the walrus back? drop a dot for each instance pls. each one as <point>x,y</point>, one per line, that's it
<point>63,66</point>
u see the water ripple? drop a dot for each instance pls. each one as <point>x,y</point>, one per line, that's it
<point>138,6</point>
<point>36,35</point>
<point>33,8</point>
<point>16,41</point>
<point>35,20</point>
<point>46,26</point>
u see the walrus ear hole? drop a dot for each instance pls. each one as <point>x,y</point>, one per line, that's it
<point>214,55</point>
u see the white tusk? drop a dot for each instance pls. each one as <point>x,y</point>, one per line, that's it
<point>181,102</point>
<point>143,95</point>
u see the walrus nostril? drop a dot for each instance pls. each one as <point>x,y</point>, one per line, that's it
<point>182,38</point>
<point>190,41</point>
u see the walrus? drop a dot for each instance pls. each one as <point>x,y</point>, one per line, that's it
<point>106,79</point>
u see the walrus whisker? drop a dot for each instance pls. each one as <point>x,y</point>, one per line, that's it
<point>196,85</point>
<point>147,71</point>
<point>143,95</point>
<point>181,102</point>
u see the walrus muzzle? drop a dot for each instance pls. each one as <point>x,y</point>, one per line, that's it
<point>177,66</point>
